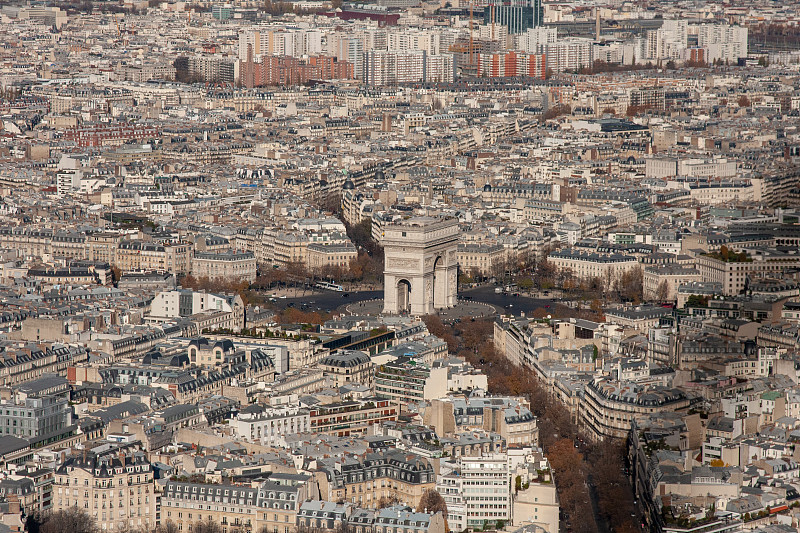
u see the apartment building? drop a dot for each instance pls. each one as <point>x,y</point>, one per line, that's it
<point>364,480</point>
<point>111,135</point>
<point>229,310</point>
<point>149,256</point>
<point>352,417</point>
<point>269,506</point>
<point>45,417</point>
<point>736,273</point>
<point>588,265</point>
<point>508,416</point>
<point>229,265</point>
<point>348,366</point>
<point>403,380</point>
<point>477,491</point>
<point>102,247</point>
<point>610,406</point>
<point>403,519</point>
<point>640,318</point>
<point>672,276</point>
<point>323,255</point>
<point>115,487</point>
<point>512,63</point>
<point>382,67</point>
<point>480,259</point>
<point>29,242</point>
<point>568,54</point>
<point>453,375</point>
<point>290,248</point>
<point>537,500</point>
<point>268,425</point>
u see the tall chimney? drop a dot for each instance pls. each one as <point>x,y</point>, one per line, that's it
<point>597,23</point>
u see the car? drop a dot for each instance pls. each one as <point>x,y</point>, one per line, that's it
<point>345,295</point>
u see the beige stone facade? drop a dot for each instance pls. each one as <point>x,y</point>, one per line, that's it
<point>330,255</point>
<point>148,256</point>
<point>229,266</point>
<point>115,487</point>
<point>674,276</point>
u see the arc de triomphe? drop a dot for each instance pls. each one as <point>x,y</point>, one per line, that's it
<point>421,269</point>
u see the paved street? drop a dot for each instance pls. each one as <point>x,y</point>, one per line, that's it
<point>330,301</point>
<point>507,302</point>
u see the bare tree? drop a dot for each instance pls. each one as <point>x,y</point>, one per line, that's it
<point>167,527</point>
<point>206,526</point>
<point>388,501</point>
<point>432,502</point>
<point>72,520</point>
<point>662,292</point>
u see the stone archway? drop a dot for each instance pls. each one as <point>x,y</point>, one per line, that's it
<point>440,280</point>
<point>403,296</point>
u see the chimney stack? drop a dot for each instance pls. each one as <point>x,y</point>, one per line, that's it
<point>597,23</point>
<point>14,506</point>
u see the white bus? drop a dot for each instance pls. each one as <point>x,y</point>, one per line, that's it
<point>329,286</point>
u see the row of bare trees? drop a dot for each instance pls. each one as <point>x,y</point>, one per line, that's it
<point>597,465</point>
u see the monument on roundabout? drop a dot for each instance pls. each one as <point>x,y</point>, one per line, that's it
<point>420,273</point>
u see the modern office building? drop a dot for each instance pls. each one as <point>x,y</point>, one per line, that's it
<point>517,15</point>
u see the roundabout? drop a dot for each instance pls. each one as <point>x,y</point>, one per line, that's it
<point>462,309</point>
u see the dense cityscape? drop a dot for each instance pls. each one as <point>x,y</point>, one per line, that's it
<point>399,266</point>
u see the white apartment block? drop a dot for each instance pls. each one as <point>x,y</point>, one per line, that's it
<point>295,42</point>
<point>534,40</point>
<point>669,41</point>
<point>388,68</point>
<point>430,42</point>
<point>568,54</point>
<point>722,42</point>
<point>477,491</point>
<point>186,302</point>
